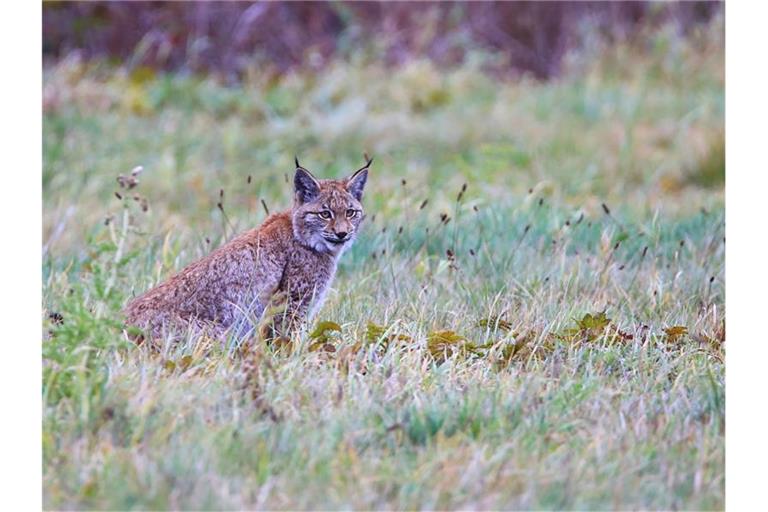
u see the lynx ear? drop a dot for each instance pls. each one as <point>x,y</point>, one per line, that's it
<point>356,183</point>
<point>305,185</point>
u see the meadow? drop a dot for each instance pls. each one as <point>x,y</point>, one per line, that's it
<point>533,316</point>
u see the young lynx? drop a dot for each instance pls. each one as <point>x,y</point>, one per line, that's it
<point>291,258</point>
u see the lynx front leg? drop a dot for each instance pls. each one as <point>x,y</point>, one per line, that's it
<point>288,314</point>
<point>293,318</point>
<point>282,316</point>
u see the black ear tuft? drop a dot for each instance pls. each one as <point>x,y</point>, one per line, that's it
<point>305,185</point>
<point>356,183</point>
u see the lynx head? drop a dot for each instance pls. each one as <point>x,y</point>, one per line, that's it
<point>327,213</point>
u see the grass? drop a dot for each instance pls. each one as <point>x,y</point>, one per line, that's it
<point>465,373</point>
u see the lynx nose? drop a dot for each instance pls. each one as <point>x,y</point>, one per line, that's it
<point>341,235</point>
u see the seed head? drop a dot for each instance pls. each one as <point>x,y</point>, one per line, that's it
<point>56,318</point>
<point>127,182</point>
<point>461,192</point>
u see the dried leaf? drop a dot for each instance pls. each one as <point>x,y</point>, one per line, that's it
<point>675,332</point>
<point>596,322</point>
<point>373,332</point>
<point>185,362</point>
<point>590,328</point>
<point>323,328</point>
<point>374,335</point>
<point>442,344</point>
<point>495,322</point>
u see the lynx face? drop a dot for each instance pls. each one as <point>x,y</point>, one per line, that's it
<point>328,213</point>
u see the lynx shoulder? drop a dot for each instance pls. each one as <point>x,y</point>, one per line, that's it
<point>291,258</point>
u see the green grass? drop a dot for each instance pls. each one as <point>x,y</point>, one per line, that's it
<point>535,411</point>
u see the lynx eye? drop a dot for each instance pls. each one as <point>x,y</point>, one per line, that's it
<point>351,214</point>
<point>325,214</point>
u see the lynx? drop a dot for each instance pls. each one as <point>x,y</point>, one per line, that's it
<point>291,258</point>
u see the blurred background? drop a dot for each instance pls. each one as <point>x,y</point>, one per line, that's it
<point>581,101</point>
<point>229,39</point>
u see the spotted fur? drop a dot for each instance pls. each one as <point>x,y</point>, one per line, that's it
<point>291,258</point>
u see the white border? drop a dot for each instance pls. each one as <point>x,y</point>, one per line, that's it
<point>21,136</point>
<point>746,162</point>
<point>747,86</point>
